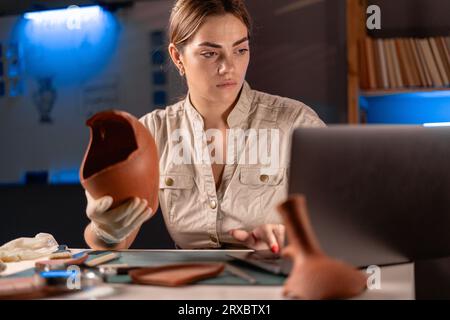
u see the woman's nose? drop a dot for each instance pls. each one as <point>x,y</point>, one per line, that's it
<point>226,65</point>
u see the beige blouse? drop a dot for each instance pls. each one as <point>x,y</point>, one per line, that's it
<point>254,178</point>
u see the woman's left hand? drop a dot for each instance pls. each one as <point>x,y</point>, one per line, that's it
<point>266,236</point>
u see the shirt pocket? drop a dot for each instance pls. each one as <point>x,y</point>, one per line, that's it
<point>258,191</point>
<point>177,191</point>
<point>257,178</point>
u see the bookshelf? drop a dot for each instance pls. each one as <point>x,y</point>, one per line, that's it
<point>392,65</point>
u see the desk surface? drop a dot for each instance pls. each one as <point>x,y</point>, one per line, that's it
<point>396,282</point>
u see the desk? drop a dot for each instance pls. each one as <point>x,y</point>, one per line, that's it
<point>397,282</point>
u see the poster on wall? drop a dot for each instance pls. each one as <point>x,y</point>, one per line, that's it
<point>100,96</point>
<point>44,99</point>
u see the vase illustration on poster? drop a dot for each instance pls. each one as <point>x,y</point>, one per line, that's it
<point>44,99</point>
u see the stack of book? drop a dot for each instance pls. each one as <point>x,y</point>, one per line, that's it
<point>402,63</point>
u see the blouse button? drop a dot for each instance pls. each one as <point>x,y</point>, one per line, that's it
<point>264,178</point>
<point>213,204</point>
<point>169,182</point>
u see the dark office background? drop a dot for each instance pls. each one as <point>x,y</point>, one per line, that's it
<point>298,51</point>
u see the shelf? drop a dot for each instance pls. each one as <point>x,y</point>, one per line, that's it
<point>431,103</point>
<point>385,92</point>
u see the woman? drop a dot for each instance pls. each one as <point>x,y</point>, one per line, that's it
<point>219,183</point>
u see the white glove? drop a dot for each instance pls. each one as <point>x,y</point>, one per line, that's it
<point>24,248</point>
<point>113,226</point>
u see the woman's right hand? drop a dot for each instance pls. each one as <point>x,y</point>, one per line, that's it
<point>114,225</point>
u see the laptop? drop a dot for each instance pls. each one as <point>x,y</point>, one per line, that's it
<point>377,195</point>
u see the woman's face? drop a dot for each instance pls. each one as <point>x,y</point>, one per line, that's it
<point>216,58</point>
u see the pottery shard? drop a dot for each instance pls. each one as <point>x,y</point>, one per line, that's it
<point>121,159</point>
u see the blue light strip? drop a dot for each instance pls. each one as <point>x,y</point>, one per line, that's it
<point>70,176</point>
<point>73,17</point>
<point>437,124</point>
<point>58,274</point>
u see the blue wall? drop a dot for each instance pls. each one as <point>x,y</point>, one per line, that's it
<point>69,45</point>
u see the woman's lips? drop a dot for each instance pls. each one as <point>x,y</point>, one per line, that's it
<point>227,84</point>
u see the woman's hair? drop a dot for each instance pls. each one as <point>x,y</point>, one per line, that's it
<point>188,15</point>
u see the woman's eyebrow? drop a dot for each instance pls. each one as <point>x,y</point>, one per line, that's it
<point>240,41</point>
<point>215,45</point>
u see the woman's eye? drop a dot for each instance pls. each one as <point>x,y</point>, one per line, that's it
<point>242,51</point>
<point>208,54</point>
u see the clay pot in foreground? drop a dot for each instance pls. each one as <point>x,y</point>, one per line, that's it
<point>121,160</point>
<point>314,275</point>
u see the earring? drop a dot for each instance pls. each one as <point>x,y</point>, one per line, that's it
<point>181,71</point>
